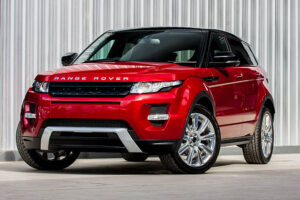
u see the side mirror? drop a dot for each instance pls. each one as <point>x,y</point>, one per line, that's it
<point>68,58</point>
<point>224,58</point>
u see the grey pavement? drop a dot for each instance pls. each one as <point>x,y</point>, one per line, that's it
<point>230,178</point>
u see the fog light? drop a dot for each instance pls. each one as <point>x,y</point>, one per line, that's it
<point>30,115</point>
<point>158,117</point>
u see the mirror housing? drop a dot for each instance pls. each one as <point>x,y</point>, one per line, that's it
<point>68,58</point>
<point>224,58</point>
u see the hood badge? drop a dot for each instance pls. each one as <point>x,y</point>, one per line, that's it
<point>95,78</point>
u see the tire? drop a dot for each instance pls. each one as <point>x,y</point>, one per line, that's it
<point>135,157</point>
<point>41,160</point>
<point>190,155</point>
<point>253,152</point>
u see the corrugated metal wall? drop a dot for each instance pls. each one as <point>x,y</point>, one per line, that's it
<point>35,33</point>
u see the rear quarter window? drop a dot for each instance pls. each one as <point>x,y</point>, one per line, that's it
<point>241,53</point>
<point>250,53</point>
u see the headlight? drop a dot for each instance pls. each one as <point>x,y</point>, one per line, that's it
<point>151,87</point>
<point>42,87</point>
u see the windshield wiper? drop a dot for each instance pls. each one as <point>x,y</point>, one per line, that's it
<point>103,60</point>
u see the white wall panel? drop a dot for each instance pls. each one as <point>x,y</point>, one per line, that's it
<point>35,33</point>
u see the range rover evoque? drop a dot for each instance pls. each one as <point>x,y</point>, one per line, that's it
<point>179,93</point>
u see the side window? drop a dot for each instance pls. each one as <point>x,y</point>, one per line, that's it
<point>250,53</point>
<point>238,49</point>
<point>185,55</point>
<point>218,43</point>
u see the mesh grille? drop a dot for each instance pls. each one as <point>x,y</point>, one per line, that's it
<point>87,89</point>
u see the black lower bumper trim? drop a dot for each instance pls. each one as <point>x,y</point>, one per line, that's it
<point>157,147</point>
<point>152,147</point>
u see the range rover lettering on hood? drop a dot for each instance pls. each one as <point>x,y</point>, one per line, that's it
<point>95,78</point>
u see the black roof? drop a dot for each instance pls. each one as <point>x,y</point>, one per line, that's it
<point>174,28</point>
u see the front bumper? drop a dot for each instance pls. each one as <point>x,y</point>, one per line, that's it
<point>99,113</point>
<point>100,142</point>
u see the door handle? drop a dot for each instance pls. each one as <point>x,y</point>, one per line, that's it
<point>238,76</point>
<point>258,75</point>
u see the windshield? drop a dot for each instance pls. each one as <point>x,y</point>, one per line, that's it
<point>174,46</point>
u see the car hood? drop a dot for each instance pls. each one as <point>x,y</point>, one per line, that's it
<point>118,71</point>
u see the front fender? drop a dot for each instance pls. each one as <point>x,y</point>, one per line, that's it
<point>192,91</point>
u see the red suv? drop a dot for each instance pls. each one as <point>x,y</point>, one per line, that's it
<point>179,93</point>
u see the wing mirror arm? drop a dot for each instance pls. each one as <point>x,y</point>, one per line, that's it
<point>68,58</point>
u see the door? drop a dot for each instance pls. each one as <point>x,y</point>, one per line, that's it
<point>249,82</point>
<point>227,95</point>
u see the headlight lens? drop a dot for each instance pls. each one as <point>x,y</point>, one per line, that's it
<point>151,87</point>
<point>42,87</point>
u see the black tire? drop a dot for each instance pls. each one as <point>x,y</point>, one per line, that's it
<point>36,160</point>
<point>175,164</point>
<point>135,157</point>
<point>253,152</point>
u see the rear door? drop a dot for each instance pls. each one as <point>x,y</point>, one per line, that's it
<point>227,95</point>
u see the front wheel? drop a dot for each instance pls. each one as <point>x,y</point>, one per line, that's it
<point>199,147</point>
<point>45,160</point>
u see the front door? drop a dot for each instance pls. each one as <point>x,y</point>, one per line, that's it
<point>227,94</point>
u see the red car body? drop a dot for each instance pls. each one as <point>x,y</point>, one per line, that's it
<point>234,94</point>
<point>237,100</point>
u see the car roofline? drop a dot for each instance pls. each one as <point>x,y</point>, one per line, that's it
<point>161,28</point>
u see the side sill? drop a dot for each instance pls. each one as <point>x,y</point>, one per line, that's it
<point>236,141</point>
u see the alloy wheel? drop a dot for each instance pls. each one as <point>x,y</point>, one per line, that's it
<point>199,141</point>
<point>267,135</point>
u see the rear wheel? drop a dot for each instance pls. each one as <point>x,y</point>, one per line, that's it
<point>260,149</point>
<point>135,157</point>
<point>199,146</point>
<point>45,160</point>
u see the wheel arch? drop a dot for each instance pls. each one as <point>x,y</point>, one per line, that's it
<point>201,98</point>
<point>269,103</point>
<point>205,100</point>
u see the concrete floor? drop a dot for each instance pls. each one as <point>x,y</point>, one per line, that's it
<point>230,178</point>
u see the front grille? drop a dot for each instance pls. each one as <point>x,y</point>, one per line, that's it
<point>88,89</point>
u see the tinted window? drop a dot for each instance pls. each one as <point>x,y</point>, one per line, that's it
<point>182,47</point>
<point>250,53</point>
<point>185,55</point>
<point>103,52</point>
<point>238,49</point>
<point>218,43</point>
